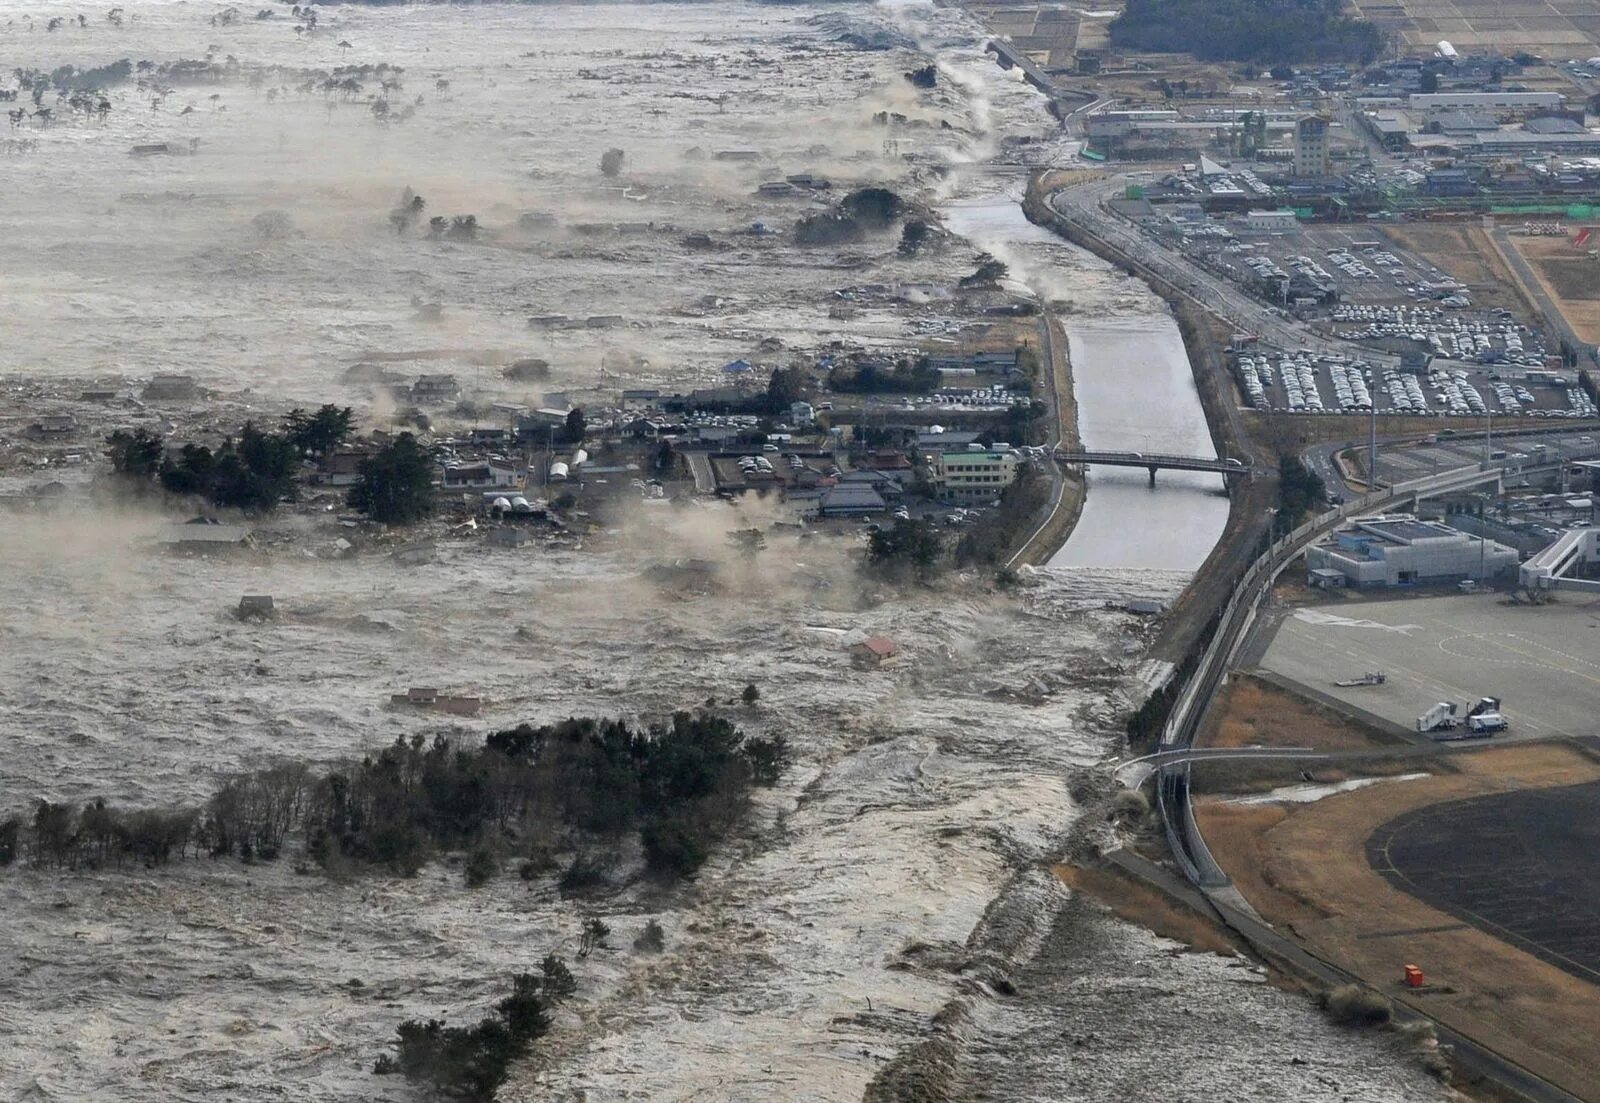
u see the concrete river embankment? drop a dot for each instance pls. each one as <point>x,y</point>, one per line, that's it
<point>1135,391</point>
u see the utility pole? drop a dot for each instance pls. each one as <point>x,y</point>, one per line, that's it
<point>1372,452</point>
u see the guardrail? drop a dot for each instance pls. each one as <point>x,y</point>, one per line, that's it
<point>1233,627</point>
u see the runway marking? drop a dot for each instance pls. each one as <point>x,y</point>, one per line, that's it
<point>1529,658</point>
<point>1334,620</point>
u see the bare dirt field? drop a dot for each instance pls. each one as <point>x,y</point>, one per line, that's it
<point>1254,712</point>
<point>1562,28</point>
<point>1466,254</point>
<point>1305,868</point>
<point>1570,276</point>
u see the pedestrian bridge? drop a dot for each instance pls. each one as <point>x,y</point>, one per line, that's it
<point>1153,462</point>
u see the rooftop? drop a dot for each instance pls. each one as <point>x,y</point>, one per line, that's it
<point>1407,530</point>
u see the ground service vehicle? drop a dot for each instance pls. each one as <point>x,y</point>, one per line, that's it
<point>1441,717</point>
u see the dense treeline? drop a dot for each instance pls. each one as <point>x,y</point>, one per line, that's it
<point>531,790</point>
<point>903,377</point>
<point>1269,31</point>
<point>1300,493</point>
<point>251,472</point>
<point>470,1063</point>
<point>908,550</point>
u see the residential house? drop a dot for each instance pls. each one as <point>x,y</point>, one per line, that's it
<point>889,485</point>
<point>343,466</point>
<point>536,425</point>
<point>644,428</point>
<point>474,476</point>
<point>54,426</point>
<point>638,399</point>
<point>850,500</point>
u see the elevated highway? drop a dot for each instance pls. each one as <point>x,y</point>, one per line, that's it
<point>1238,616</point>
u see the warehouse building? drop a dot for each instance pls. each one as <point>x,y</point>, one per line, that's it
<point>1493,102</point>
<point>1281,221</point>
<point>1399,550</point>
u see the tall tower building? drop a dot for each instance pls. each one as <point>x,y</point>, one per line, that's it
<point>1311,146</point>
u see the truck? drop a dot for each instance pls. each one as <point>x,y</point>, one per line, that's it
<point>1485,717</point>
<point>1439,718</point>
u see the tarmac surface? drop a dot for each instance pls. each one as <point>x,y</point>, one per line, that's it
<point>1523,866</point>
<point>1541,661</point>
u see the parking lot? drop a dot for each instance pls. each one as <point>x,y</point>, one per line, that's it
<point>1541,661</point>
<point>1480,337</point>
<point>1304,383</point>
<point>1357,262</point>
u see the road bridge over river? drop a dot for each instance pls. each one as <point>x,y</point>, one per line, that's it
<point>1152,462</point>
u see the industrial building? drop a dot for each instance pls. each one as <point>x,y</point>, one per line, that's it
<point>1399,550</point>
<point>1495,102</point>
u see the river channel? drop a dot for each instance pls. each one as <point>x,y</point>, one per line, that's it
<point>1135,392</point>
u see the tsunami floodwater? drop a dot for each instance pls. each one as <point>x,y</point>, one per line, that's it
<point>901,867</point>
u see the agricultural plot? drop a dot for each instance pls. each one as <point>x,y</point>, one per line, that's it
<point>1559,28</point>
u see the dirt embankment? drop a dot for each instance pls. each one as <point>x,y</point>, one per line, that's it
<point>1250,712</point>
<point>1305,868</point>
<point>1063,512</point>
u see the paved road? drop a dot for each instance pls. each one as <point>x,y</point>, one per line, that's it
<point>1399,459</point>
<point>1058,481</point>
<point>1136,771</point>
<point>1083,204</point>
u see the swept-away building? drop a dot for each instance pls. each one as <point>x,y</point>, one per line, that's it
<point>170,388</point>
<point>426,697</point>
<point>875,651</point>
<point>203,535</point>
